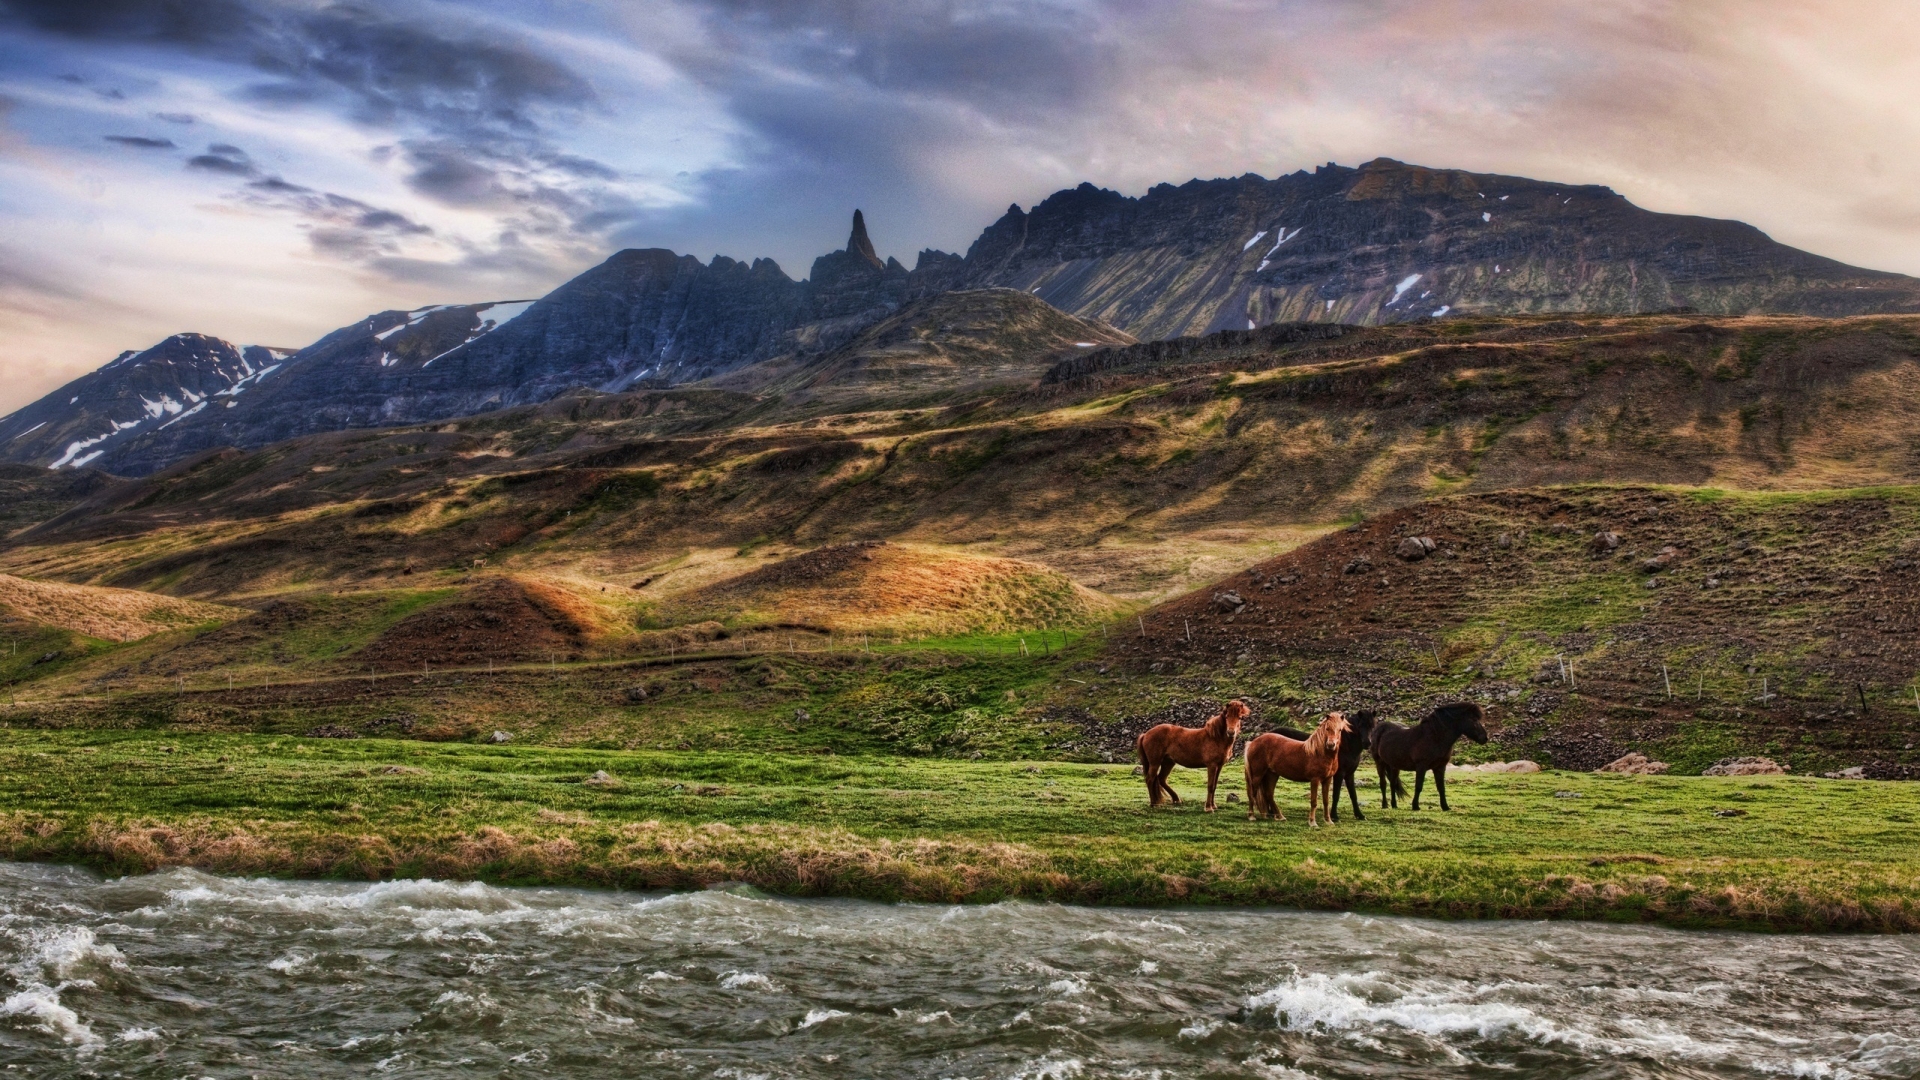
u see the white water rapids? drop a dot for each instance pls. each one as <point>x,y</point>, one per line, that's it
<point>183,974</point>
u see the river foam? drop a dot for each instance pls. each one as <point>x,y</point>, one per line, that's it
<point>187,974</point>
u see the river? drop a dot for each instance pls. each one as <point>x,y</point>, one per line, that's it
<point>183,974</point>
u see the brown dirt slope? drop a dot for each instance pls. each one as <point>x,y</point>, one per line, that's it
<point>498,619</point>
<point>1790,621</point>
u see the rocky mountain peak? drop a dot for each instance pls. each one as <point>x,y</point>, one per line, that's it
<point>858,244</point>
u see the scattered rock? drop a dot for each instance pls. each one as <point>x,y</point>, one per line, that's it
<point>500,737</point>
<point>1635,764</point>
<point>1231,797</point>
<point>636,694</point>
<point>801,716</point>
<point>1729,813</point>
<point>46,659</point>
<point>1855,773</point>
<point>1505,540</point>
<point>1661,561</point>
<point>1415,548</point>
<point>1745,766</point>
<point>1711,583</point>
<point>1359,565</point>
<point>401,770</point>
<point>333,731</point>
<point>1229,602</point>
<point>643,583</point>
<point>1566,794</point>
<point>1604,543</point>
<point>1137,771</point>
<point>1522,766</point>
<point>601,778</point>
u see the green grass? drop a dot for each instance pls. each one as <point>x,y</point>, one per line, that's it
<point>1801,854</point>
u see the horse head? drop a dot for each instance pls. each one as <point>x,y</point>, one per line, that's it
<point>1232,716</point>
<point>1327,735</point>
<point>1465,718</point>
<point>1361,724</point>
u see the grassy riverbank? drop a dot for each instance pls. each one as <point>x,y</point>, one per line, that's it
<point>1784,853</point>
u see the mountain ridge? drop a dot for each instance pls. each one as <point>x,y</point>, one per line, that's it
<point>1382,243</point>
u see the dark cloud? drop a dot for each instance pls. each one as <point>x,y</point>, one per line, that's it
<point>141,142</point>
<point>223,158</point>
<point>184,22</point>
<point>174,117</point>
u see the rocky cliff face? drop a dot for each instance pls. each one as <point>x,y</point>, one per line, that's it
<point>1386,242</point>
<point>1390,242</point>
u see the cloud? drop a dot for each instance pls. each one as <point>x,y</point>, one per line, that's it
<point>223,158</point>
<point>174,117</point>
<point>140,142</point>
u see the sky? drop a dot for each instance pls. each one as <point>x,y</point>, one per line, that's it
<point>268,170</point>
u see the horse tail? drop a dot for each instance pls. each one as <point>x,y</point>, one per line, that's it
<point>1399,789</point>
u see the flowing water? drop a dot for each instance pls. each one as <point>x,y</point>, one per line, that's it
<point>182,974</point>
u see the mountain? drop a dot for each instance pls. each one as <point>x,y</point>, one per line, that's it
<point>1383,243</point>
<point>183,376</point>
<point>1391,242</point>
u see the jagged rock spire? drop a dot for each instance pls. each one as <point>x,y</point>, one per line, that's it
<point>858,244</point>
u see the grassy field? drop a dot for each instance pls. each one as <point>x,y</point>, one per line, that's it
<point>1780,853</point>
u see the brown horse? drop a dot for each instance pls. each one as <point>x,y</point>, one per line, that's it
<point>1209,746</point>
<point>1315,760</point>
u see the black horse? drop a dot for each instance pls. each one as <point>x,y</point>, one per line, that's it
<point>1425,746</point>
<point>1352,745</point>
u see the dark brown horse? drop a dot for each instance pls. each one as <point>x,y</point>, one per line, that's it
<point>1314,760</point>
<point>1424,747</point>
<point>1352,745</point>
<point>1209,747</point>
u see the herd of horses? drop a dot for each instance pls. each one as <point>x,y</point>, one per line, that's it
<point>1323,759</point>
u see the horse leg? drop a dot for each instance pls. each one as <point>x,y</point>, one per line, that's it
<point>1150,769</point>
<point>1352,795</point>
<point>1440,784</point>
<point>1213,778</point>
<point>1166,771</point>
<point>1419,780</point>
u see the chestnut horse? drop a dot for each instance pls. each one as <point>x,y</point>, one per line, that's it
<point>1425,747</point>
<point>1352,745</point>
<point>1209,746</point>
<point>1315,760</point>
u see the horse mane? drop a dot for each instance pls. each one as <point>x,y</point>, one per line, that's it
<point>1456,713</point>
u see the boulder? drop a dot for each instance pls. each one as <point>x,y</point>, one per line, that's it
<point>1360,565</point>
<point>1634,764</point>
<point>1229,602</point>
<point>499,737</point>
<point>1661,561</point>
<point>1604,543</point>
<point>1506,540</point>
<point>636,694</point>
<point>601,778</point>
<point>1522,766</point>
<point>1745,766</point>
<point>1415,548</point>
<point>1857,772</point>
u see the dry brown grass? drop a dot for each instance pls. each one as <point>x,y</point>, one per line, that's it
<point>112,614</point>
<point>901,588</point>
